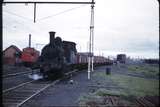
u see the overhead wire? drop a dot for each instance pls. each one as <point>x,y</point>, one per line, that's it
<point>14,23</point>
<point>61,12</point>
<point>44,17</point>
<point>17,15</point>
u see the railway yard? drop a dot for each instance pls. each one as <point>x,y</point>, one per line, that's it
<point>127,85</point>
<point>72,66</point>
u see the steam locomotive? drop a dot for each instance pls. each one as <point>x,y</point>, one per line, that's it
<point>59,57</point>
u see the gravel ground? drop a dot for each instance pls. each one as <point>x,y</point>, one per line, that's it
<point>67,94</point>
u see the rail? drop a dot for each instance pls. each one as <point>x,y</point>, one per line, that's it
<point>20,73</point>
<point>9,89</point>
<point>31,88</point>
<point>37,93</point>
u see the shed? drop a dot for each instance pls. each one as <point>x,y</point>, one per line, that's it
<point>11,55</point>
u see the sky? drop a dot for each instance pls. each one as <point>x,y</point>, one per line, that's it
<point>121,26</point>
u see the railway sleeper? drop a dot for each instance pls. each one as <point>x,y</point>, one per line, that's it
<point>107,101</point>
<point>148,103</point>
<point>26,91</point>
<point>32,87</point>
<point>141,102</point>
<point>13,100</point>
<point>13,95</point>
<point>114,100</point>
<point>153,99</point>
<point>9,104</point>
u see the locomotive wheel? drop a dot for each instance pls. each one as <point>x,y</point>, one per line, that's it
<point>54,74</point>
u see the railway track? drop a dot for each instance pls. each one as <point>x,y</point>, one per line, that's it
<point>12,88</point>
<point>147,101</point>
<point>12,81</point>
<point>20,73</point>
<point>18,95</point>
<point>115,101</point>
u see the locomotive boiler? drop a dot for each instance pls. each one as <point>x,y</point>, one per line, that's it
<point>52,60</point>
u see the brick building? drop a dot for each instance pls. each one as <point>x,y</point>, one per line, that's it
<point>11,55</point>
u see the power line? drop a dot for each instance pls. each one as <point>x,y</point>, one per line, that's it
<point>17,15</point>
<point>61,12</point>
<point>48,2</point>
<point>47,16</point>
<point>15,23</point>
<point>43,2</point>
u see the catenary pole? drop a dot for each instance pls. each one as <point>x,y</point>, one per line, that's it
<point>91,53</point>
<point>92,31</point>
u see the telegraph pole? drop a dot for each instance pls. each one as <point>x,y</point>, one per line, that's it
<point>91,40</point>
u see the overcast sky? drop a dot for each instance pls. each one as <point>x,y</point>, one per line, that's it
<point>121,26</point>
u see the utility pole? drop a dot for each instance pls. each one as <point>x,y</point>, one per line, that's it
<point>91,40</point>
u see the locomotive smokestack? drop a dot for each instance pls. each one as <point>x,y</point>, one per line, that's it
<point>29,40</point>
<point>52,37</point>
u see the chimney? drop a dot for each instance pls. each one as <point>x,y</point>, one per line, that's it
<point>29,40</point>
<point>52,37</point>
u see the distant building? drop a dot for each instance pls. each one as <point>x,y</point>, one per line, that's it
<point>11,55</point>
<point>121,58</point>
<point>151,61</point>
